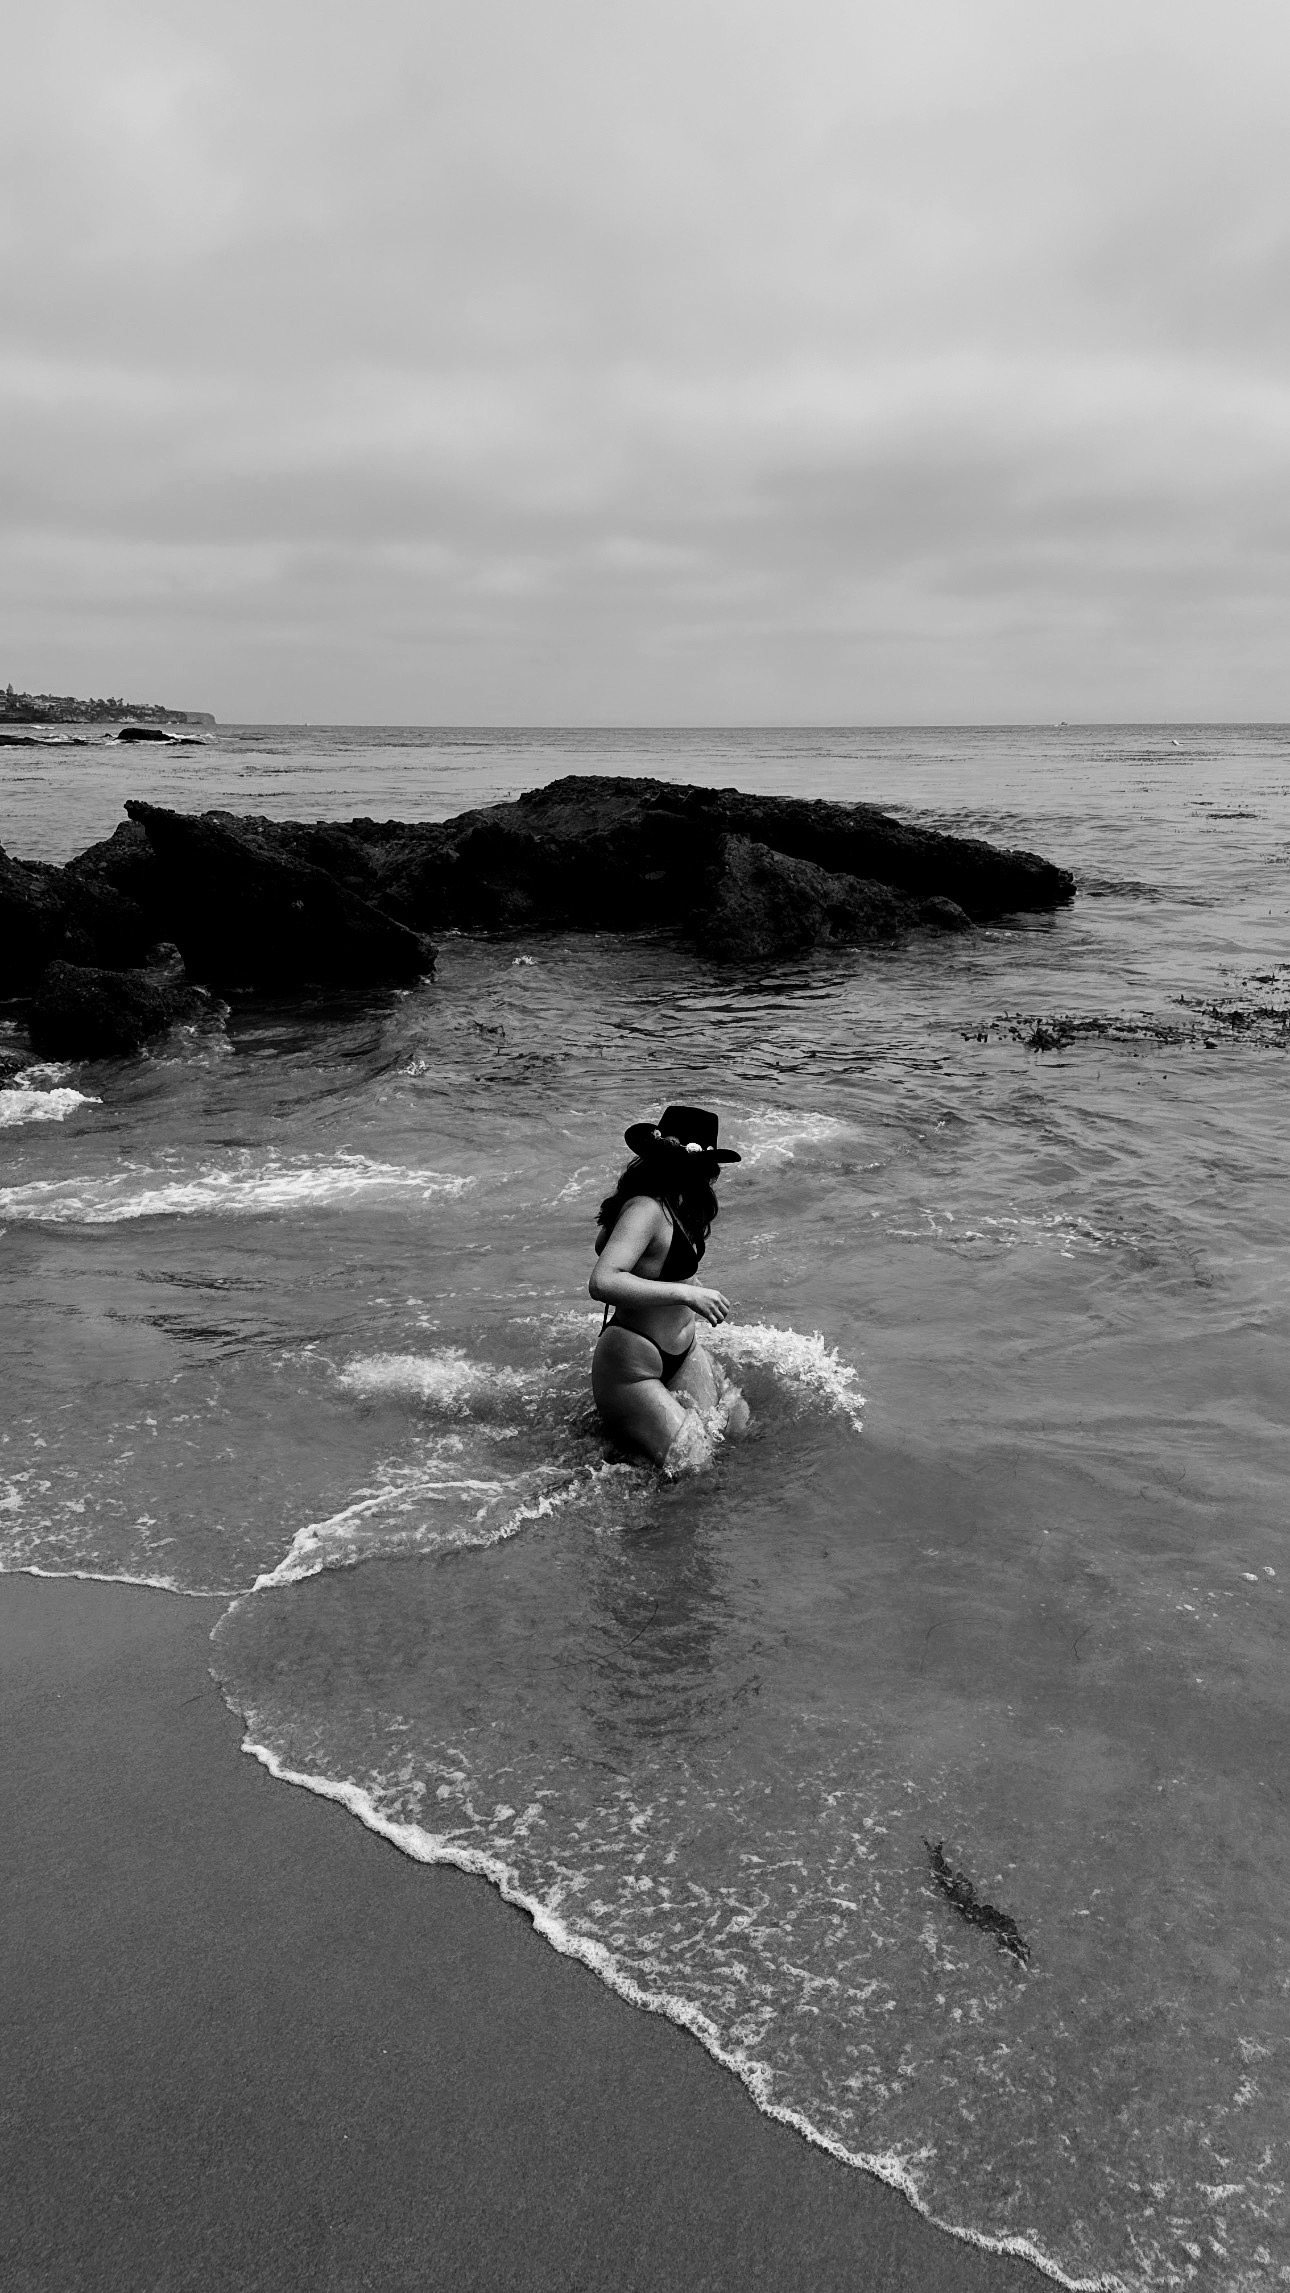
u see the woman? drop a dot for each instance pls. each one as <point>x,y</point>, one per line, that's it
<point>655,1386</point>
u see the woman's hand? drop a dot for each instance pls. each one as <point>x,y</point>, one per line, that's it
<point>709,1304</point>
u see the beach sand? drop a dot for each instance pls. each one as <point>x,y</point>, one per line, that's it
<point>246,2044</point>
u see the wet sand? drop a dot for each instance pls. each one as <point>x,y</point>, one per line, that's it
<point>248,2045</point>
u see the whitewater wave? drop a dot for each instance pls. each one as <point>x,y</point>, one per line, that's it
<point>448,1380</point>
<point>807,1364</point>
<point>41,1094</point>
<point>20,1103</point>
<point>246,1190</point>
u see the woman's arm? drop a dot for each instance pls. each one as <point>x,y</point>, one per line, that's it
<point>614,1284</point>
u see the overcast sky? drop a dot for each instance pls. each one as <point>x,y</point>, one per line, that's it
<point>559,361</point>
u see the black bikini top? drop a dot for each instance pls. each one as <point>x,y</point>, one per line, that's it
<point>682,1258</point>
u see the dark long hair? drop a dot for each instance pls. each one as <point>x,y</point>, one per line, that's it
<point>688,1193</point>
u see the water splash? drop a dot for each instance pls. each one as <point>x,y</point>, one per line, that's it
<point>807,1365</point>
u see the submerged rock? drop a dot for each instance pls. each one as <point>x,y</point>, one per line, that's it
<point>84,1011</point>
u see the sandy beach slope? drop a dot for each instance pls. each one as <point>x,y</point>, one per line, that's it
<point>247,2045</point>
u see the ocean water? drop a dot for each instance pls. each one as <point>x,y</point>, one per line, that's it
<point>296,1311</point>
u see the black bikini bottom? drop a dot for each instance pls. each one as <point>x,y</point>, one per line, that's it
<point>673,1364</point>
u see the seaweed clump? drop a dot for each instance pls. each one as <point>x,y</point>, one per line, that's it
<point>1247,1016</point>
<point>958,1889</point>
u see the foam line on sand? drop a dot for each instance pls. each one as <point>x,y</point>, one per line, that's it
<point>428,1847</point>
<point>246,2045</point>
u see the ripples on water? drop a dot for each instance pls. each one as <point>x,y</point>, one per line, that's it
<point>301,1307</point>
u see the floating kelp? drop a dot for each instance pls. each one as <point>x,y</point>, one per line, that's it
<point>958,1889</point>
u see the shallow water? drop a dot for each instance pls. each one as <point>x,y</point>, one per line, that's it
<point>297,1311</point>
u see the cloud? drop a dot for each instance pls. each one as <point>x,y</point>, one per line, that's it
<point>699,363</point>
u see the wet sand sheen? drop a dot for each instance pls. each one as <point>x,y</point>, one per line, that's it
<point>249,2046</point>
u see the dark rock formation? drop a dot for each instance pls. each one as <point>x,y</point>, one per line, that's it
<point>759,904</point>
<point>942,915</point>
<point>587,854</point>
<point>82,1011</point>
<point>245,912</point>
<point>131,733</point>
<point>623,855</point>
<point>594,858</point>
<point>255,903</point>
<point>125,862</point>
<point>49,912</point>
<point>984,880</point>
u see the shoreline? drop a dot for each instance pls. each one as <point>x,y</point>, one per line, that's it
<point>252,2046</point>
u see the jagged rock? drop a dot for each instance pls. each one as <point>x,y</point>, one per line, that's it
<point>247,913</point>
<point>82,1011</point>
<point>125,861</point>
<point>46,913</point>
<point>758,904</point>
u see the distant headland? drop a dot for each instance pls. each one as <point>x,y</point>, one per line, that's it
<point>65,709</point>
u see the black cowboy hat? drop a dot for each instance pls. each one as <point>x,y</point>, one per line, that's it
<point>684,1130</point>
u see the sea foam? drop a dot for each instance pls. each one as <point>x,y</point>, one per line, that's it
<point>808,1365</point>
<point>19,1105</point>
<point>775,1133</point>
<point>41,1094</point>
<point>447,1380</point>
<point>389,1522</point>
<point>247,1190</point>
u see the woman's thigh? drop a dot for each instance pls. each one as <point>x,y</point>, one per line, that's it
<point>630,1395</point>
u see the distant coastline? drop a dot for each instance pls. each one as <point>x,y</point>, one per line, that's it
<point>65,709</point>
